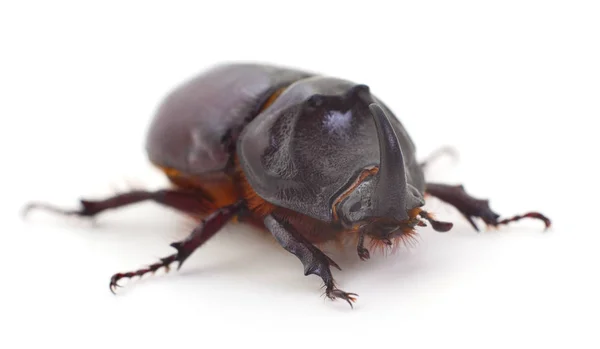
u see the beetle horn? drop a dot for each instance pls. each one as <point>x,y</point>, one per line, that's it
<point>390,190</point>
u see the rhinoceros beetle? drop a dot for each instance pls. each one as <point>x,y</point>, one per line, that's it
<point>306,157</point>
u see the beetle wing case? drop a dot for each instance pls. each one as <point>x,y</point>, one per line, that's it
<point>301,156</point>
<point>188,129</point>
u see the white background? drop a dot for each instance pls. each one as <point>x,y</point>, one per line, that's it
<point>514,86</point>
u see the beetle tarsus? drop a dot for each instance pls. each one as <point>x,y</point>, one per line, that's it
<point>471,207</point>
<point>535,215</point>
<point>53,209</point>
<point>204,231</point>
<point>314,260</point>
<point>164,263</point>
<point>186,201</point>
<point>334,293</point>
<point>114,285</point>
<point>363,253</point>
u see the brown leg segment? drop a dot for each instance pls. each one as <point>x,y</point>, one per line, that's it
<point>314,260</point>
<point>202,233</point>
<point>190,201</point>
<point>363,253</point>
<point>471,207</point>
<point>437,154</point>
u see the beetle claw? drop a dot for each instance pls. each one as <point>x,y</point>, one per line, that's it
<point>363,253</point>
<point>114,284</point>
<point>334,293</point>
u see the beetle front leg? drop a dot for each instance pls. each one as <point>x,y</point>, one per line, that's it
<point>471,207</point>
<point>314,260</point>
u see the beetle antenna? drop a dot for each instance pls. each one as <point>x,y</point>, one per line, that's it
<point>438,226</point>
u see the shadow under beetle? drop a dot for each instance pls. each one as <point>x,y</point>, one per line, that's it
<point>309,158</point>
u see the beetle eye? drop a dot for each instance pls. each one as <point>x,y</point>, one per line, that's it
<point>355,207</point>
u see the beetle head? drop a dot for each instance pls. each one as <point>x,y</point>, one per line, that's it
<point>382,203</point>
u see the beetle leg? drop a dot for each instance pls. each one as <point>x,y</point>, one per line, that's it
<point>186,201</point>
<point>471,207</point>
<point>363,253</point>
<point>314,260</point>
<point>204,231</point>
<point>447,150</point>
